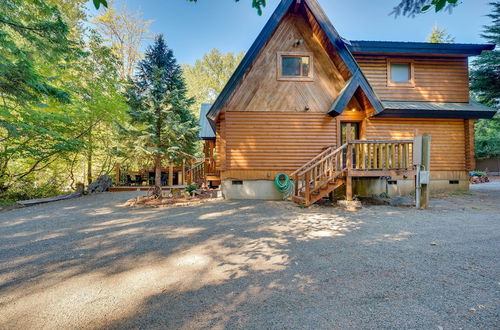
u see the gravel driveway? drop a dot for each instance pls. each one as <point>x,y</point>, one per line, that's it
<point>94,263</point>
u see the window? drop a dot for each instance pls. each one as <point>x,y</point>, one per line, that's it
<point>294,66</point>
<point>400,72</point>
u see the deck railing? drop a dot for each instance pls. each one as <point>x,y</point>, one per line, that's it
<point>334,166</point>
<point>198,173</point>
<point>381,154</point>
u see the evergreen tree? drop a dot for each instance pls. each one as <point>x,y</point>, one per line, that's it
<point>159,108</point>
<point>485,88</point>
<point>439,36</point>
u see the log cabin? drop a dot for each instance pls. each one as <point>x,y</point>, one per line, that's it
<point>335,113</point>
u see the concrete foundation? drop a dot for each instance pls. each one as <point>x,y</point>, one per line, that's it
<point>367,187</point>
<point>250,189</point>
<point>362,187</point>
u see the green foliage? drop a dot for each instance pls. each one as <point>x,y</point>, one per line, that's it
<point>485,88</point>
<point>257,4</point>
<point>98,3</point>
<point>411,8</point>
<point>58,87</point>
<point>439,36</point>
<point>487,136</point>
<point>208,76</point>
<point>159,107</point>
<point>190,188</point>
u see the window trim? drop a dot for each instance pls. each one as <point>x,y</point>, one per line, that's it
<point>309,77</point>
<point>410,62</point>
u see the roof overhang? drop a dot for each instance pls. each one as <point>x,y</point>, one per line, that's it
<point>412,48</point>
<point>472,110</point>
<point>206,130</point>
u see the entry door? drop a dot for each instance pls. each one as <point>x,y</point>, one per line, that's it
<point>343,139</point>
<point>343,131</point>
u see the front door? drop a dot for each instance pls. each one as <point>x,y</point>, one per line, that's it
<point>343,138</point>
<point>343,131</point>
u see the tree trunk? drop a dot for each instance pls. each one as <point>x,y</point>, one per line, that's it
<point>157,189</point>
<point>89,160</point>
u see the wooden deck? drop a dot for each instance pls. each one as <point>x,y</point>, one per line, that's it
<point>357,158</point>
<point>144,188</point>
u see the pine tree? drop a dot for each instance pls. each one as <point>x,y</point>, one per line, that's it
<point>485,88</point>
<point>439,36</point>
<point>159,108</point>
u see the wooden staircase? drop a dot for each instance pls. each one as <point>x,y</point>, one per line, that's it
<point>333,168</point>
<point>320,176</point>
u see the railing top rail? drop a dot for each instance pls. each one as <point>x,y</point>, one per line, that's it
<point>310,163</point>
<point>380,141</point>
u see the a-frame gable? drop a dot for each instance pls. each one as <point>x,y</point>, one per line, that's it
<point>357,79</point>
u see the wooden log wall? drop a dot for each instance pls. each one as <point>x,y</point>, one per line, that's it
<point>275,141</point>
<point>447,138</point>
<point>437,79</point>
<point>260,89</point>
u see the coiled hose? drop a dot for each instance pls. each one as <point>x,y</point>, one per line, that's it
<point>284,185</point>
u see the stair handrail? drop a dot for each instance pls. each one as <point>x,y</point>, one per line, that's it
<point>309,164</point>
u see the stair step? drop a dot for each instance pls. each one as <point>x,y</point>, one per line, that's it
<point>298,199</point>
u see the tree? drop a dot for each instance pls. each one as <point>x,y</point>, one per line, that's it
<point>411,8</point>
<point>439,36</point>
<point>159,108</point>
<point>126,31</point>
<point>59,97</point>
<point>485,88</point>
<point>29,29</point>
<point>208,76</point>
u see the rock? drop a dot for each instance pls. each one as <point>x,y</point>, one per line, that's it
<point>349,205</point>
<point>103,183</point>
<point>403,201</point>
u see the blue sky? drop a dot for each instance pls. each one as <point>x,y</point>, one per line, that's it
<point>192,29</point>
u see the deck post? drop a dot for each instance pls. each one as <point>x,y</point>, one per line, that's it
<point>170,175</point>
<point>183,171</point>
<point>426,162</point>
<point>117,174</point>
<point>307,191</point>
<point>348,182</point>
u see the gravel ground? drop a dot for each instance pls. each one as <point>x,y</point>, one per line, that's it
<point>94,263</point>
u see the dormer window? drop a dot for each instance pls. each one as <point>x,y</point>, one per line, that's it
<point>400,73</point>
<point>295,66</point>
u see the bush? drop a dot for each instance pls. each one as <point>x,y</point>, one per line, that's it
<point>190,188</point>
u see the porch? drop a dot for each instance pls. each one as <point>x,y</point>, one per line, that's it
<point>335,167</point>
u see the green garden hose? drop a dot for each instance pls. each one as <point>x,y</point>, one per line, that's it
<point>284,185</point>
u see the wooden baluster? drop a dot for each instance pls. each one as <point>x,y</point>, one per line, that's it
<point>387,153</point>
<point>349,157</point>
<point>401,155</point>
<point>307,190</point>
<point>407,156</point>
<point>362,156</point>
<point>375,155</point>
<point>381,156</point>
<point>370,155</point>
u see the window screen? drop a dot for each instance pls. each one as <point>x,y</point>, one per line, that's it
<point>295,66</point>
<point>400,72</point>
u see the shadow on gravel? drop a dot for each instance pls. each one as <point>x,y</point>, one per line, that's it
<point>94,263</point>
<point>81,265</point>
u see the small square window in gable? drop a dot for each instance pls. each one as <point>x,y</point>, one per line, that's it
<point>295,66</point>
<point>400,73</point>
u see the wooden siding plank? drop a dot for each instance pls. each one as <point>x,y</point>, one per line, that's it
<point>436,79</point>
